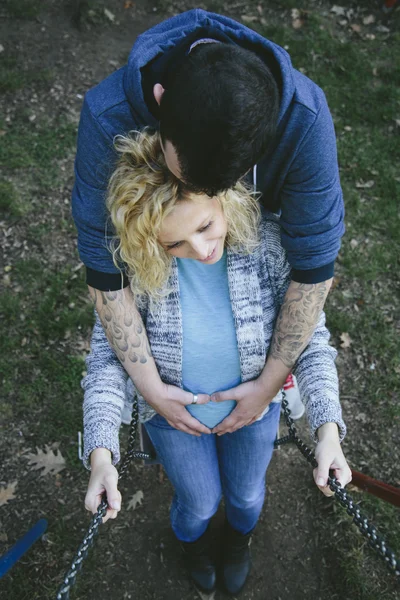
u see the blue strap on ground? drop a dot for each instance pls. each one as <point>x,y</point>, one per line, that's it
<point>14,554</point>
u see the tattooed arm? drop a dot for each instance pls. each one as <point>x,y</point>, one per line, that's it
<point>127,336</point>
<point>294,327</point>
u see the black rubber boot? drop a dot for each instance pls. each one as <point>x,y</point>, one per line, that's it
<point>236,559</point>
<point>199,562</point>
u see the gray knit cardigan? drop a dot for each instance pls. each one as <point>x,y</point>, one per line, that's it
<point>257,286</point>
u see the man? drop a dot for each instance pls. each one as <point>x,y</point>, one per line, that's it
<point>228,104</point>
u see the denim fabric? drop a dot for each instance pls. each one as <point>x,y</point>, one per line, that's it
<point>202,469</point>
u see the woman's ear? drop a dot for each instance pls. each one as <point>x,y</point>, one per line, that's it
<point>158,92</point>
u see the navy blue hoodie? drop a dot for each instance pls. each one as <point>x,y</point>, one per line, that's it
<point>299,179</point>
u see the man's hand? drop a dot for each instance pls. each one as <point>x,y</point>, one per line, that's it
<point>171,404</point>
<point>252,399</point>
<point>329,456</point>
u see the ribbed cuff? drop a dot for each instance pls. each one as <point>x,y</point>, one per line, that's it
<point>323,411</point>
<point>106,282</point>
<point>102,435</point>
<point>313,275</point>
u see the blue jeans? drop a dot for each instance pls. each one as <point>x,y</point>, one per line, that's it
<point>202,469</point>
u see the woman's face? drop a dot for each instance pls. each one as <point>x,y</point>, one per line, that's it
<point>196,229</point>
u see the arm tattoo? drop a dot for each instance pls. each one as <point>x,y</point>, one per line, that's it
<point>123,326</point>
<point>297,319</point>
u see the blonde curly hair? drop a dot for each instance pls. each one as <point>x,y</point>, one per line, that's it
<point>142,192</point>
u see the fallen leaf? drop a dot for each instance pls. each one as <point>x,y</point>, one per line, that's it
<point>204,596</point>
<point>136,500</point>
<point>369,36</point>
<point>353,244</point>
<point>297,23</point>
<point>295,13</point>
<point>363,185</point>
<point>346,340</point>
<point>369,20</point>
<point>248,18</point>
<point>52,463</point>
<point>356,28</point>
<point>382,29</point>
<point>110,16</point>
<point>7,493</point>
<point>339,10</point>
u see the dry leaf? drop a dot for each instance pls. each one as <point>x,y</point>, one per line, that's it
<point>369,20</point>
<point>346,340</point>
<point>136,500</point>
<point>364,185</point>
<point>7,493</point>
<point>369,36</point>
<point>295,13</point>
<point>382,29</point>
<point>248,18</point>
<point>110,16</point>
<point>339,10</point>
<point>52,463</point>
<point>356,28</point>
<point>353,244</point>
<point>204,596</point>
<point>297,23</point>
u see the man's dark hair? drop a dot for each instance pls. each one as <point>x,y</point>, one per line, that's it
<point>220,111</point>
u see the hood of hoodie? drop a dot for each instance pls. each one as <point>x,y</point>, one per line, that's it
<point>165,36</point>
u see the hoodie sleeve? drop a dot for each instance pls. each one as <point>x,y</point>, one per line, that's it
<point>94,163</point>
<point>315,368</point>
<point>104,394</point>
<point>312,209</point>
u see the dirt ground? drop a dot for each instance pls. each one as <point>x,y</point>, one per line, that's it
<point>136,556</point>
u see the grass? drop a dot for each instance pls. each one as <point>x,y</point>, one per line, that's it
<point>35,366</point>
<point>23,9</point>
<point>44,312</point>
<point>14,77</point>
<point>368,103</point>
<point>36,147</point>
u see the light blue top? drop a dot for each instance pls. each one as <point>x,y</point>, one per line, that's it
<point>210,357</point>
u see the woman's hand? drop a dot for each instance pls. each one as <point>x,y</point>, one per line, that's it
<point>329,456</point>
<point>252,400</point>
<point>171,405</point>
<point>103,478</point>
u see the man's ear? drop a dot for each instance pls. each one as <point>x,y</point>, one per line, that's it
<point>158,91</point>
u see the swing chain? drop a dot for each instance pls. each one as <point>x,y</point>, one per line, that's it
<point>374,539</point>
<point>93,530</point>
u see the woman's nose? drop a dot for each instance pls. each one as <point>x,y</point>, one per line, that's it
<point>200,250</point>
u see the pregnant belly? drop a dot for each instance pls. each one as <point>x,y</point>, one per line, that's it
<point>212,413</point>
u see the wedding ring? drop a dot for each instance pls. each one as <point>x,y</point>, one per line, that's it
<point>195,398</point>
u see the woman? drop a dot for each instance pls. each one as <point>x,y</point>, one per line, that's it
<point>209,276</point>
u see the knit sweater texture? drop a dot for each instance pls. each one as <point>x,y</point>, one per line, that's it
<point>257,286</point>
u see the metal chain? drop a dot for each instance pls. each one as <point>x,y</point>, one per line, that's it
<point>93,530</point>
<point>375,540</point>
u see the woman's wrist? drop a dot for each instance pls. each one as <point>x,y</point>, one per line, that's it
<point>100,456</point>
<point>328,431</point>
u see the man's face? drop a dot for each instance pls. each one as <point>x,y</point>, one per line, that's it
<point>171,158</point>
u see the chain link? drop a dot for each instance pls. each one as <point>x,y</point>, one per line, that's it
<point>93,530</point>
<point>369,531</point>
